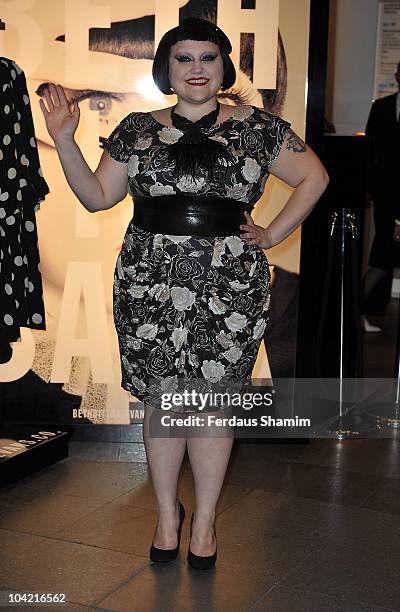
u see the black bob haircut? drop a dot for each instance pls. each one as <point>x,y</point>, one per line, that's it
<point>192,29</point>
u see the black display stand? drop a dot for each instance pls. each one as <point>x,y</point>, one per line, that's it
<point>35,426</point>
<point>25,449</point>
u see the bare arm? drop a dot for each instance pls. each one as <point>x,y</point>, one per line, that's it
<point>97,190</point>
<point>298,166</point>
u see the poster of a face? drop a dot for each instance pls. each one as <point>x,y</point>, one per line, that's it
<point>101,53</point>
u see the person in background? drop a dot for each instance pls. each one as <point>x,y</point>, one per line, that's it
<point>383,132</point>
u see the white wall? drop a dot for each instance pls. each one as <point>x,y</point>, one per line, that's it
<point>351,63</point>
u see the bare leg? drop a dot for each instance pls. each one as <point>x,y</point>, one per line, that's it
<point>370,280</point>
<point>164,456</point>
<point>209,458</point>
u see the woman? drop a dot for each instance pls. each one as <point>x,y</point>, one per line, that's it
<point>191,290</point>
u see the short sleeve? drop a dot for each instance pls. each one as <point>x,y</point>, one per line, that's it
<point>275,132</point>
<point>122,139</point>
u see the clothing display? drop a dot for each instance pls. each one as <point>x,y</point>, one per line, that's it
<point>383,131</point>
<point>192,307</point>
<point>22,188</point>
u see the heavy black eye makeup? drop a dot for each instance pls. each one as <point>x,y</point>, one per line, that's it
<point>183,58</point>
<point>208,57</point>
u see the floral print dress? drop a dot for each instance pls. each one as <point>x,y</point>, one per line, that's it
<point>191,307</point>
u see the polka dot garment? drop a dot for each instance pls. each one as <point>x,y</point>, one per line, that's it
<point>22,188</point>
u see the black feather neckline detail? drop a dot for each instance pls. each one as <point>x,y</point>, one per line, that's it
<point>195,154</point>
<point>192,133</point>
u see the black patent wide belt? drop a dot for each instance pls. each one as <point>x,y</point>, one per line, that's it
<point>190,215</point>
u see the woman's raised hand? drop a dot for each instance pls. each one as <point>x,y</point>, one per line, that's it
<point>61,117</point>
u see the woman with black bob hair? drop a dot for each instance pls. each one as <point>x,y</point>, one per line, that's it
<point>191,283</point>
<point>192,29</point>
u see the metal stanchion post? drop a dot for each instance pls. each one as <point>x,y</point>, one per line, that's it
<point>344,221</point>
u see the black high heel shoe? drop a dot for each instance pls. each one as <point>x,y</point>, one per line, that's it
<point>165,555</point>
<point>198,562</point>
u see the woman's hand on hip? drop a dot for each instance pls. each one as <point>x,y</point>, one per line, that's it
<point>61,118</point>
<point>255,234</point>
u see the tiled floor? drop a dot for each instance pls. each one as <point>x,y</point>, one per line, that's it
<point>301,528</point>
